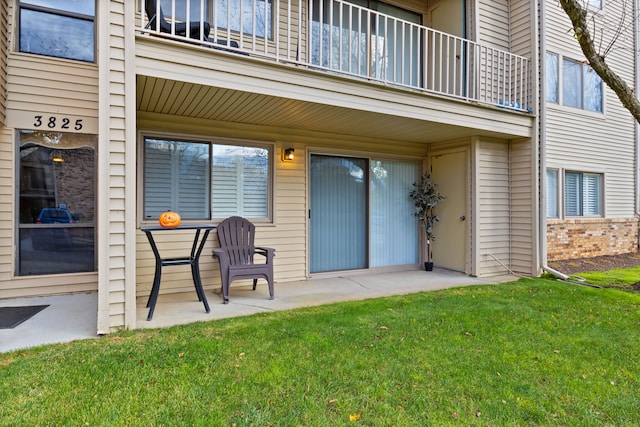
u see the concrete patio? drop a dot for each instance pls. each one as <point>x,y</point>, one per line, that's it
<point>72,317</point>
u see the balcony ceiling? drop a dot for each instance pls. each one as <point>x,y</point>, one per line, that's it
<point>163,96</point>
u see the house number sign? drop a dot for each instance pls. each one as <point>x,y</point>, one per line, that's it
<point>51,122</point>
<point>61,123</point>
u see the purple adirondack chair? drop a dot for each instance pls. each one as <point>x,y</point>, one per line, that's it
<point>236,255</point>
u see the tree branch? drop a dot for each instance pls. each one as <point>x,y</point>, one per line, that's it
<point>578,16</point>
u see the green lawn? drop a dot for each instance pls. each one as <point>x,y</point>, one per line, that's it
<point>616,278</point>
<point>532,352</point>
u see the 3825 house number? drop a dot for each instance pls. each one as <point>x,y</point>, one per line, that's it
<point>57,123</point>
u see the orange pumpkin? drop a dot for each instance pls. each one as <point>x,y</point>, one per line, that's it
<point>169,219</point>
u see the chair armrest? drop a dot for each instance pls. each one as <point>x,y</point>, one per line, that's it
<point>269,253</point>
<point>219,253</point>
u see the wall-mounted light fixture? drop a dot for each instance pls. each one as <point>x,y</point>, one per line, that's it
<point>287,154</point>
<point>57,157</point>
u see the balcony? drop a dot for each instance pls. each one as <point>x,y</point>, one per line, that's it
<point>344,39</point>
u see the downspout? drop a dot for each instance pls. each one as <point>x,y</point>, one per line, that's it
<point>636,41</point>
<point>542,142</point>
<point>542,135</point>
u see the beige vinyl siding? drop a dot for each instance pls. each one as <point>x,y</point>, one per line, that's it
<point>3,59</point>
<point>523,192</point>
<point>7,214</point>
<point>493,23</point>
<point>51,86</point>
<point>294,16</point>
<point>287,234</point>
<point>116,195</point>
<point>494,216</point>
<point>594,142</point>
<point>522,27</point>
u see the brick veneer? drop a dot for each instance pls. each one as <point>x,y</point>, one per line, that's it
<point>587,238</point>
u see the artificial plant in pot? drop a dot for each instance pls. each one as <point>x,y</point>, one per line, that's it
<point>426,197</point>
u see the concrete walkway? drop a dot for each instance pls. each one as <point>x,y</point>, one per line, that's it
<point>72,317</point>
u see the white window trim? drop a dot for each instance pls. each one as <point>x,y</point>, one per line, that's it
<point>559,192</point>
<point>562,188</point>
<point>559,105</point>
<point>269,145</point>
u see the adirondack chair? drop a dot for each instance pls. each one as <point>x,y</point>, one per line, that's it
<point>236,255</point>
<point>180,28</point>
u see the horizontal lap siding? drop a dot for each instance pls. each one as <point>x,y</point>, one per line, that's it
<point>494,217</point>
<point>523,176</point>
<point>39,84</point>
<point>521,27</point>
<point>593,142</point>
<point>493,23</point>
<point>523,207</point>
<point>6,208</point>
<point>115,274</point>
<point>3,59</point>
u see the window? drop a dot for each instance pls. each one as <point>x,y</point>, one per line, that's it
<point>552,193</point>
<point>59,28</point>
<point>180,11</point>
<point>594,4</point>
<point>56,213</point>
<point>552,78</point>
<point>582,194</point>
<point>202,180</point>
<point>580,87</point>
<point>256,16</point>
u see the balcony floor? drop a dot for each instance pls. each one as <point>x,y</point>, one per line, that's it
<point>72,317</point>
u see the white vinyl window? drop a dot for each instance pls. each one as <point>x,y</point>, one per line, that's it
<point>203,180</point>
<point>551,81</point>
<point>574,84</point>
<point>552,193</point>
<point>594,4</point>
<point>581,86</point>
<point>582,194</point>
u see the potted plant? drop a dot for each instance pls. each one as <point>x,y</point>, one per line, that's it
<point>425,198</point>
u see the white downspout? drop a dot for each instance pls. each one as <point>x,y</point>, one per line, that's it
<point>636,42</point>
<point>542,141</point>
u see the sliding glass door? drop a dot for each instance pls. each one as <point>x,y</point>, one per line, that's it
<point>338,213</point>
<point>361,215</point>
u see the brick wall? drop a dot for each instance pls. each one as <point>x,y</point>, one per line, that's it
<point>587,238</point>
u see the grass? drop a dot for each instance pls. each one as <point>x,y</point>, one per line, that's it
<point>616,278</point>
<point>532,352</point>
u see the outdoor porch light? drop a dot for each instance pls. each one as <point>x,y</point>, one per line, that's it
<point>287,154</point>
<point>57,157</point>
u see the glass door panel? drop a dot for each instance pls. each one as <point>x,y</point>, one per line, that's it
<point>393,228</point>
<point>338,217</point>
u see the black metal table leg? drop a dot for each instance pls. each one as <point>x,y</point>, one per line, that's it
<point>193,260</point>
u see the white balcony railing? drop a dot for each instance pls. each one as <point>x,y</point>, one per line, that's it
<point>342,38</point>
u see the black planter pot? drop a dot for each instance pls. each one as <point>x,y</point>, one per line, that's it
<point>428,266</point>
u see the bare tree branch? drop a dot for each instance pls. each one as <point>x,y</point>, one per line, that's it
<point>579,19</point>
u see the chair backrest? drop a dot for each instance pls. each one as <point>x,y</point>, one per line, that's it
<point>151,7</point>
<point>236,237</point>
